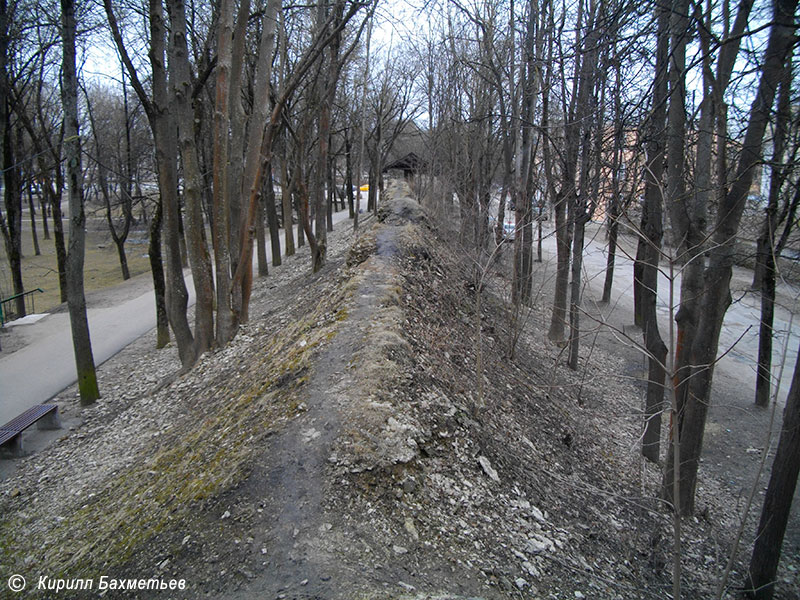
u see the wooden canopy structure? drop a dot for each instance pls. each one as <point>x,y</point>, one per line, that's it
<point>410,165</point>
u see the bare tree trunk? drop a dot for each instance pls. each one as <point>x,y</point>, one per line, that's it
<point>648,252</point>
<point>539,236</point>
<point>688,218</point>
<point>234,170</point>
<point>171,295</point>
<point>305,218</point>
<point>716,291</point>
<point>558,318</point>
<point>575,288</point>
<point>360,163</point>
<point>261,240</point>
<point>5,135</point>
<point>52,187</point>
<point>59,239</point>
<point>562,232</point>
<point>157,270</point>
<point>119,242</point>
<point>765,261</point>
<point>272,218</point>
<point>165,138</point>
<point>258,152</point>
<point>778,499</point>
<point>226,319</point>
<point>301,226</point>
<point>564,201</point>
<point>687,231</point>
<point>286,204</point>
<point>330,178</point>
<point>523,239</point>
<point>348,170</point>
<point>613,235</point>
<point>118,238</point>
<point>323,107</point>
<point>11,224</point>
<point>374,172</point>
<point>32,209</point>
<point>509,125</point>
<point>590,86</point>
<point>614,208</point>
<point>43,210</point>
<point>76,301</point>
<point>199,259</point>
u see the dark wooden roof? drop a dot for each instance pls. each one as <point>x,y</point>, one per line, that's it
<point>410,162</point>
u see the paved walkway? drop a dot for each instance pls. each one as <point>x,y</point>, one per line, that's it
<point>44,367</point>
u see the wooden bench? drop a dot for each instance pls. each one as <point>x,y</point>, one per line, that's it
<point>46,417</point>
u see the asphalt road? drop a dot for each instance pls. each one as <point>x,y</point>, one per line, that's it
<point>738,345</point>
<point>46,365</point>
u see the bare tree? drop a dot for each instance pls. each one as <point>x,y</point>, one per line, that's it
<point>648,251</point>
<point>530,81</point>
<point>778,499</point>
<point>112,169</point>
<point>155,108</point>
<point>76,301</point>
<point>181,88</point>
<point>716,298</point>
<point>11,216</point>
<point>33,97</point>
<point>769,243</point>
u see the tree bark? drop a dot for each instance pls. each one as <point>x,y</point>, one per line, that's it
<point>575,287</point>
<point>523,238</point>
<point>32,209</point>
<point>261,239</point>
<point>170,295</point>
<point>765,274</point>
<point>10,228</point>
<point>687,228</point>
<point>76,301</point>
<point>589,115</point>
<point>258,152</point>
<point>234,170</point>
<point>566,199</point>
<point>226,319</point>
<point>778,499</point>
<point>166,147</point>
<point>272,218</point>
<point>716,291</point>
<point>287,211</point>
<point>157,271</point>
<point>322,102</point>
<point>199,258</point>
<point>348,169</point>
<point>11,223</point>
<point>613,234</point>
<point>330,186</point>
<point>43,210</point>
<point>58,234</point>
<point>614,209</point>
<point>648,252</point>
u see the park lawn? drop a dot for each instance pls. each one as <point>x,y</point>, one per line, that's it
<point>101,265</point>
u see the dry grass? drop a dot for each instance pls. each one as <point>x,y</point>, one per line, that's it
<point>223,412</point>
<point>101,268</point>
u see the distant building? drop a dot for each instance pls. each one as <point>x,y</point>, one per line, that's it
<point>409,166</point>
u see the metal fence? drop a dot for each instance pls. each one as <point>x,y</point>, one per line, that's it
<point>18,305</point>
